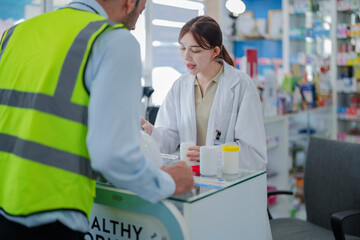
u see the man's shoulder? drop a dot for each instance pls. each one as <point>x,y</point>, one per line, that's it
<point>118,35</point>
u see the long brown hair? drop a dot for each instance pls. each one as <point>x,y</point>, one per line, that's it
<point>207,34</point>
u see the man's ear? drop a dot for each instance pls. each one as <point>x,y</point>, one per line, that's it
<point>130,5</point>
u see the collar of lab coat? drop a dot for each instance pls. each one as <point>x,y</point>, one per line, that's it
<point>231,76</point>
<point>227,80</point>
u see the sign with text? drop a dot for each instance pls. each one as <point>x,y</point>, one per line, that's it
<point>110,223</point>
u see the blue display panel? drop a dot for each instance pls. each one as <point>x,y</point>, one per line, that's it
<point>261,7</point>
<point>267,49</point>
<point>13,9</point>
<point>269,52</point>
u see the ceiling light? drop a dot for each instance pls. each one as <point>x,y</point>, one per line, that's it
<point>236,7</point>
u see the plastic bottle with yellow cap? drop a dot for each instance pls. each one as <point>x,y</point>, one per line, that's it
<point>230,159</point>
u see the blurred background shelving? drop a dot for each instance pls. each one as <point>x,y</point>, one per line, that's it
<point>297,91</point>
<point>348,71</point>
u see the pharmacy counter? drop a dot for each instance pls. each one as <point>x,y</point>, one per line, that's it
<point>229,207</point>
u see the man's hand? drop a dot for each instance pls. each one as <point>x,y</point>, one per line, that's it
<point>148,127</point>
<point>182,175</point>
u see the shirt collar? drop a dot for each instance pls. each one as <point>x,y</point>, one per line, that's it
<point>216,78</point>
<point>88,5</point>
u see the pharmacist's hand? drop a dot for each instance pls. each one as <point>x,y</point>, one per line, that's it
<point>182,175</point>
<point>194,153</point>
<point>148,127</point>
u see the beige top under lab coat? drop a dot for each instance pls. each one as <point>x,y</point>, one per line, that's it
<point>203,106</point>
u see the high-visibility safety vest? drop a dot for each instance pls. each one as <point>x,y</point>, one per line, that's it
<point>44,162</point>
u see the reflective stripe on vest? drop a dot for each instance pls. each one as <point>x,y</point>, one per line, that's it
<point>6,39</point>
<point>51,157</point>
<point>43,113</point>
<point>58,105</point>
<point>65,85</point>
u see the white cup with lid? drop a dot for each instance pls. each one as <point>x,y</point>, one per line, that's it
<point>230,159</point>
<point>208,160</point>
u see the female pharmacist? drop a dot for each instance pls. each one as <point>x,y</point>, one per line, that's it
<point>213,104</point>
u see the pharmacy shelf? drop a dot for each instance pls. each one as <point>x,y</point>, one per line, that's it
<point>308,111</point>
<point>279,162</point>
<point>346,19</point>
<point>321,121</point>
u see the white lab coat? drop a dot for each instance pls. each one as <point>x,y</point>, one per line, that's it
<point>236,113</point>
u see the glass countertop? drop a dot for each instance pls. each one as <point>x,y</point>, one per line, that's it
<point>206,186</point>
